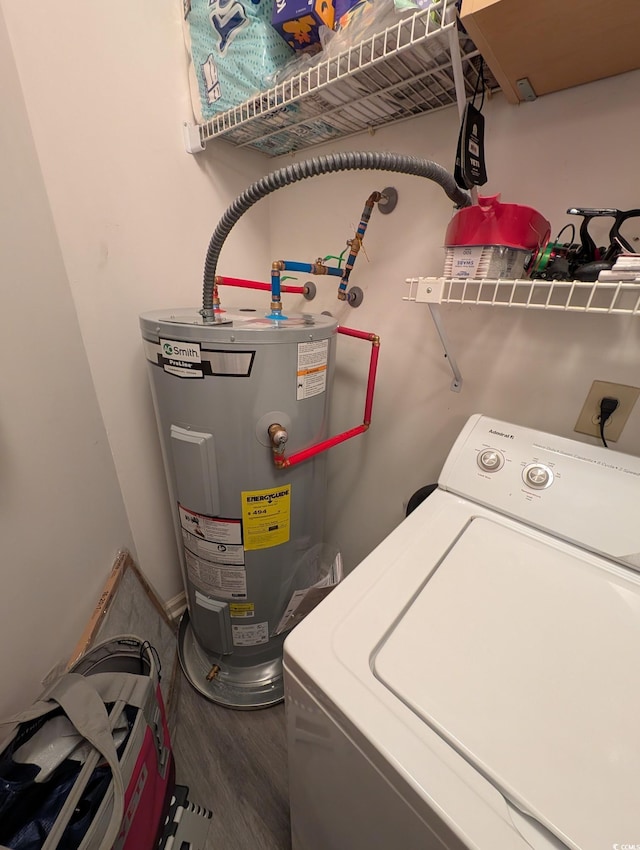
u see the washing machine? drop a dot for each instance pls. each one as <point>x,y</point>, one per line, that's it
<point>474,683</point>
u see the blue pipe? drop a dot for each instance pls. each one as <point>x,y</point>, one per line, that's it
<point>308,268</point>
<point>292,266</point>
<point>276,301</point>
<point>362,228</point>
<point>275,286</point>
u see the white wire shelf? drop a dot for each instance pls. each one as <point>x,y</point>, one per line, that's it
<point>571,296</point>
<point>403,71</point>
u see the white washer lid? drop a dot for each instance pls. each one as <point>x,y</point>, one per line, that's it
<point>523,654</point>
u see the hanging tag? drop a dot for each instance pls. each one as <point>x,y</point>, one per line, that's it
<point>472,162</point>
<point>458,172</point>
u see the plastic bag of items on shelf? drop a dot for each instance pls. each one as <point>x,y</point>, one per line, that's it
<point>233,50</point>
<point>358,20</point>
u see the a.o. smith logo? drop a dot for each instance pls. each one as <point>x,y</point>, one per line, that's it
<point>187,352</point>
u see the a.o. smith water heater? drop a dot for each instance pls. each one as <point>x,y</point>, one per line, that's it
<point>251,532</point>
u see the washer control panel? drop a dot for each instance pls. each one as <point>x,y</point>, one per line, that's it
<point>535,475</point>
<point>553,483</point>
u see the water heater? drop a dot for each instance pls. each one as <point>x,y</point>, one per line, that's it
<point>231,390</point>
<point>250,531</point>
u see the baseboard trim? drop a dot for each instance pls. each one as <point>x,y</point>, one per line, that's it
<point>176,606</point>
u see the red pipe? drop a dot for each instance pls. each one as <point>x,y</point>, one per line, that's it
<point>374,339</point>
<point>358,334</point>
<point>371,382</point>
<point>256,284</point>
<point>282,462</point>
<point>305,454</point>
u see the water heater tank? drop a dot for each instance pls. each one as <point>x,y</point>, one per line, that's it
<point>247,530</point>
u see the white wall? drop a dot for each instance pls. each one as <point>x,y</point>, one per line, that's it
<point>62,518</point>
<point>106,91</point>
<point>577,147</point>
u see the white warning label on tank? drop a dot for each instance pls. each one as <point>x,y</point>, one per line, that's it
<point>226,582</point>
<point>181,358</point>
<point>250,635</point>
<point>211,529</point>
<point>312,368</point>
<point>218,553</point>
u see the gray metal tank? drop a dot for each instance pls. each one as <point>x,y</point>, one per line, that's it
<point>246,529</point>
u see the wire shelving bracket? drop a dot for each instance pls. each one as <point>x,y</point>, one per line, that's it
<point>573,296</point>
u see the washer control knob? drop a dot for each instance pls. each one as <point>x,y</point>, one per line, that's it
<point>538,476</point>
<point>490,460</point>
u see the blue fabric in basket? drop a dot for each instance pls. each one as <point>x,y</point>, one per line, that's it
<point>28,809</point>
<point>234,50</point>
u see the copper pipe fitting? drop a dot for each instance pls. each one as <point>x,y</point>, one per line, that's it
<point>211,675</point>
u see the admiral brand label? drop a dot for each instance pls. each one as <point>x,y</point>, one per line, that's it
<point>501,434</point>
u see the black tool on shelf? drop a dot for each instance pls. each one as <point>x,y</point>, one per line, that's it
<point>583,260</point>
<point>591,268</point>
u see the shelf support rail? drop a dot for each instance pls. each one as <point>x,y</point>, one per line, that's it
<point>458,73</point>
<point>456,384</point>
<point>430,292</point>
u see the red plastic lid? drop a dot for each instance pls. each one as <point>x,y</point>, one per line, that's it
<point>491,223</point>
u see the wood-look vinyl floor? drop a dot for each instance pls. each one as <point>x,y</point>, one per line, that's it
<point>235,763</point>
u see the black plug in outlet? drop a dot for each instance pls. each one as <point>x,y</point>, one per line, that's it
<point>608,406</point>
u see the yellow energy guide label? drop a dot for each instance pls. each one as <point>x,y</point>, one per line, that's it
<point>266,517</point>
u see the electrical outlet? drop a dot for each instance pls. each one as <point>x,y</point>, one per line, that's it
<point>589,419</point>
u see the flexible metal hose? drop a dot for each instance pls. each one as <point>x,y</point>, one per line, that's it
<point>348,161</point>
